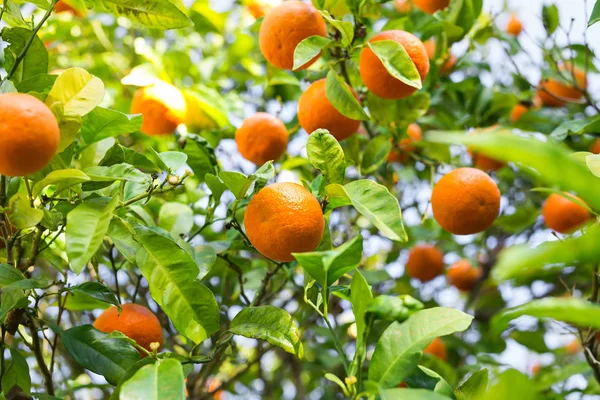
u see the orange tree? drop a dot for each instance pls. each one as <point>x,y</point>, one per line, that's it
<point>205,199</point>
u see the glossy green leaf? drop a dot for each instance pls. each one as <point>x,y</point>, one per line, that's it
<point>510,384</point>
<point>397,62</point>
<point>77,90</point>
<point>201,156</point>
<point>97,291</point>
<point>161,14</point>
<point>345,28</point>
<point>360,297</point>
<point>571,310</point>
<point>61,179</point>
<point>118,154</point>
<point>410,394</point>
<point>16,378</point>
<point>576,127</point>
<point>269,323</point>
<point>97,352</point>
<point>473,387</point>
<point>326,155</point>
<point>176,218</point>
<point>22,214</point>
<point>161,380</point>
<point>117,172</point>
<point>328,266</point>
<point>87,225</point>
<point>36,58</point>
<point>425,378</point>
<point>595,16</point>
<point>342,98</point>
<point>393,308</point>
<point>171,273</point>
<point>308,49</point>
<point>398,113</point>
<point>102,123</point>
<point>375,154</point>
<point>9,275</point>
<point>401,345</point>
<point>550,18</point>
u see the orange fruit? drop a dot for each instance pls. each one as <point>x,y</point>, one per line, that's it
<point>258,8</point>
<point>514,26</point>
<point>449,62</point>
<point>431,6</point>
<point>437,348</point>
<point>403,385</point>
<point>315,111</point>
<point>573,348</point>
<point>29,134</point>
<point>595,146</point>
<point>563,215</point>
<point>463,275</point>
<point>284,218</point>
<point>482,161</point>
<point>261,138</point>
<point>134,321</point>
<point>378,80</point>
<point>465,201</point>
<point>284,27</point>
<point>425,262</point>
<point>403,6</point>
<point>163,107</point>
<point>214,384</point>
<point>61,6</point>
<point>557,93</point>
<point>517,111</point>
<point>535,368</point>
<point>406,144</point>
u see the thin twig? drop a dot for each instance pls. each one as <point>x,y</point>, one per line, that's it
<point>236,268</point>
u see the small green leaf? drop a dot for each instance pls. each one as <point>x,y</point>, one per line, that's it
<point>201,156</point>
<point>308,49</point>
<point>36,58</point>
<point>398,113</point>
<point>61,179</point>
<point>176,218</point>
<point>342,98</point>
<point>160,14</point>
<point>473,387</point>
<point>16,378</point>
<point>159,381</point>
<point>97,291</point>
<point>550,18</point>
<point>397,62</point>
<point>360,297</point>
<point>595,16</point>
<point>326,155</point>
<point>345,28</point>
<point>393,308</point>
<point>576,127</point>
<point>269,323</point>
<point>375,154</point>
<point>236,182</point>
<point>102,123</point>
<point>410,394</point>
<point>117,172</point>
<point>22,214</point>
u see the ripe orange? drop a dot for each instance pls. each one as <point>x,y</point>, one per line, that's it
<point>535,368</point>
<point>431,6</point>
<point>482,161</point>
<point>403,6</point>
<point>514,26</point>
<point>163,107</point>
<point>595,146</point>
<point>315,111</point>
<point>261,138</point>
<point>215,383</point>
<point>406,144</point>
<point>135,321</point>
<point>563,215</point>
<point>437,348</point>
<point>284,218</point>
<point>517,111</point>
<point>449,62</point>
<point>557,93</point>
<point>377,78</point>
<point>61,6</point>
<point>425,262</point>
<point>29,134</point>
<point>463,276</point>
<point>284,27</point>
<point>465,201</point>
<point>573,348</point>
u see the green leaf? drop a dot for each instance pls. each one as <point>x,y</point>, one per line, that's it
<point>308,49</point>
<point>122,155</point>
<point>269,323</point>
<point>236,182</point>
<point>593,163</point>
<point>375,154</point>
<point>97,291</point>
<point>22,214</point>
<point>571,310</point>
<point>209,107</point>
<point>16,379</point>
<point>375,203</point>
<point>201,156</point>
<point>576,127</point>
<point>94,350</point>
<point>176,218</point>
<point>393,308</point>
<point>9,274</point>
<point>345,28</point>
<point>533,340</point>
<point>326,155</point>
<point>41,83</point>
<point>77,90</point>
<point>117,172</point>
<point>342,97</point>
<point>560,373</point>
<point>161,380</point>
<point>595,16</point>
<point>61,179</point>
<point>360,297</point>
<point>122,235</point>
<point>398,113</point>
<point>425,378</point>
<point>397,62</point>
<point>160,14</point>
<point>410,394</point>
<point>523,261</point>
<point>550,18</point>
<point>511,384</point>
<point>473,387</point>
<point>102,123</point>
<point>328,266</point>
<point>401,345</point>
<point>171,273</point>
<point>550,162</point>
<point>36,58</point>
<point>87,225</point>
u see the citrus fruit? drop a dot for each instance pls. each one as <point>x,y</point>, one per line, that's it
<point>431,6</point>
<point>573,347</point>
<point>286,25</point>
<point>163,107</point>
<point>134,321</point>
<point>425,262</point>
<point>406,146</point>
<point>378,80</point>
<point>61,6</point>
<point>463,275</point>
<point>258,8</point>
<point>517,111</point>
<point>595,146</point>
<point>437,348</point>
<point>514,26</point>
<point>482,161</point>
<point>465,201</point>
<point>449,60</point>
<point>261,138</point>
<point>564,215</point>
<point>315,111</point>
<point>29,134</point>
<point>403,6</point>
<point>284,218</point>
<point>555,92</point>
